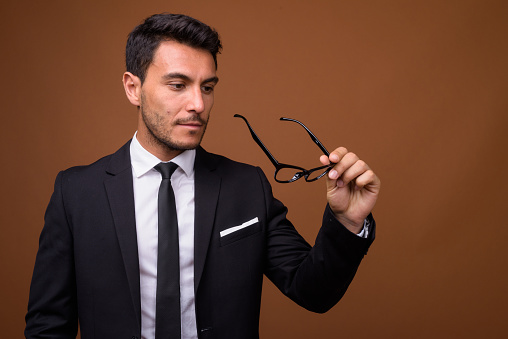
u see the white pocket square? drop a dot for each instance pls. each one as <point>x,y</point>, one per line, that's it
<point>236,228</point>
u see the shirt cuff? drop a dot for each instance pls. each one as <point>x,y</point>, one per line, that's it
<point>365,230</point>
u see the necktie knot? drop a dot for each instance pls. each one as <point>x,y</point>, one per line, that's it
<point>166,169</point>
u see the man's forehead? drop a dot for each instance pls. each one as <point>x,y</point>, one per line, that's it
<point>173,55</point>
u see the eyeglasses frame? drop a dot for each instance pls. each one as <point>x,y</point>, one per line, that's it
<point>303,173</point>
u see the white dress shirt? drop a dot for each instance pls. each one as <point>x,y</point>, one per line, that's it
<point>146,189</point>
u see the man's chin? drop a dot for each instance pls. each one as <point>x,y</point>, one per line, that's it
<point>183,146</point>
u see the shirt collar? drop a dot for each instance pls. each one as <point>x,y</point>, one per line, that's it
<point>143,161</point>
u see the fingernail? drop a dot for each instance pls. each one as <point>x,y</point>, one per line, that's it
<point>340,183</point>
<point>334,158</point>
<point>333,174</point>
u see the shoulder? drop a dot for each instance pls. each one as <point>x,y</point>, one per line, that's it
<point>107,165</point>
<point>97,166</point>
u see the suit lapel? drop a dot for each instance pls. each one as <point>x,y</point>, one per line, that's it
<point>119,188</point>
<point>207,188</point>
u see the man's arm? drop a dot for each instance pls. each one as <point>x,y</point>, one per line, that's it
<point>52,306</point>
<point>316,278</point>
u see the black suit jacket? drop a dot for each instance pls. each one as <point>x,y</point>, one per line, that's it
<point>87,264</point>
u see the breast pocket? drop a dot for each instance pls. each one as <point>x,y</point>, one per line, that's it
<point>239,232</point>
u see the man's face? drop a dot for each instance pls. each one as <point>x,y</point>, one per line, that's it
<point>176,98</point>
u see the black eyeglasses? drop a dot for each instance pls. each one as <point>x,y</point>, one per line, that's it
<point>285,173</point>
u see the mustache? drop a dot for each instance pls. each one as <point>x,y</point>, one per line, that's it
<point>191,119</point>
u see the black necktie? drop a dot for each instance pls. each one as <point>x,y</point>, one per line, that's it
<point>167,312</point>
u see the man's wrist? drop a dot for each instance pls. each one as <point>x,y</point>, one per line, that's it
<point>351,226</point>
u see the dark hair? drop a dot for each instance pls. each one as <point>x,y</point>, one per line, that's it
<point>144,40</point>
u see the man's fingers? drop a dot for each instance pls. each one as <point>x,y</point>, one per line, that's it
<point>368,179</point>
<point>324,160</point>
<point>334,157</point>
<point>346,162</point>
<point>348,168</point>
<point>356,169</point>
<point>337,155</point>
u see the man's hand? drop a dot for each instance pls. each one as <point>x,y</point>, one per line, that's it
<point>352,188</point>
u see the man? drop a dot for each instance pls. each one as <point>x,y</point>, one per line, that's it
<point>98,254</point>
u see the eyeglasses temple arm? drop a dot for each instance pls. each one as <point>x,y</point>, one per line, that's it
<point>258,141</point>
<point>312,136</point>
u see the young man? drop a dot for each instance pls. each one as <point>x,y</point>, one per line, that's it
<point>99,262</point>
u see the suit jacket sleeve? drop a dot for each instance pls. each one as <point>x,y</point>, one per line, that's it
<point>314,277</point>
<point>52,306</point>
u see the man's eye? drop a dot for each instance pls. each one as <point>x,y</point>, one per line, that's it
<point>177,86</point>
<point>207,89</point>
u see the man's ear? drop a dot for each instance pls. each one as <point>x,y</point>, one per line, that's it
<point>132,86</point>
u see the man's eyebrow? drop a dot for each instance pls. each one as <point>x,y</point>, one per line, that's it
<point>176,75</point>
<point>213,80</point>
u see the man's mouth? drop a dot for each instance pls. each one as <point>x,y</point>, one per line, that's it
<point>193,123</point>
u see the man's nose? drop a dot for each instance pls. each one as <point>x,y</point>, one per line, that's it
<point>196,103</point>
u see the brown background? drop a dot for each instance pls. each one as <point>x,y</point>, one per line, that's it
<point>414,87</point>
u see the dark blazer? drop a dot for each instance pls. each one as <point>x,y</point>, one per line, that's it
<point>87,264</point>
